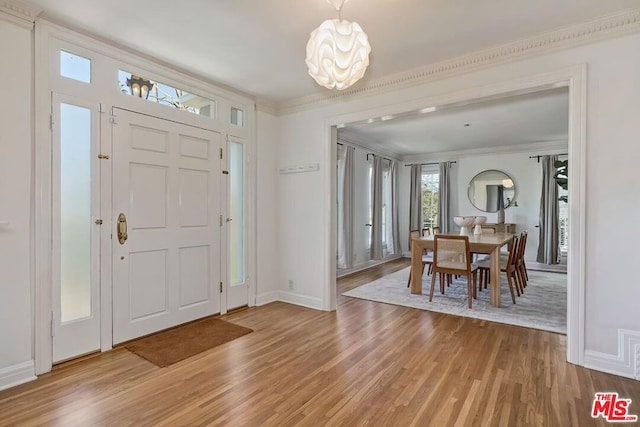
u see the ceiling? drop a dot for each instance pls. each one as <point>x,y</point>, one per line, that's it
<point>523,119</point>
<point>258,47</point>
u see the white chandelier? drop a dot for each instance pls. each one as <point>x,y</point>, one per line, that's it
<point>337,52</point>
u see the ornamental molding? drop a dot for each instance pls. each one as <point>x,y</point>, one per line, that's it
<point>19,12</point>
<point>605,27</point>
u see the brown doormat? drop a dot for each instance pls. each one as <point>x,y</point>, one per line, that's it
<point>176,344</point>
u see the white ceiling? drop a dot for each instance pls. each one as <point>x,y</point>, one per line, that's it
<point>259,46</point>
<point>523,119</point>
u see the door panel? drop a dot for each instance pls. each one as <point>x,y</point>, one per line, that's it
<point>166,182</point>
<point>76,191</point>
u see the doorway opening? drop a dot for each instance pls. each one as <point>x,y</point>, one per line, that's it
<point>571,79</point>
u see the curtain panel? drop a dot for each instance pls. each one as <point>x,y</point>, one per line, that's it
<point>345,196</point>
<point>549,243</point>
<point>415,198</point>
<point>444,198</point>
<point>376,209</point>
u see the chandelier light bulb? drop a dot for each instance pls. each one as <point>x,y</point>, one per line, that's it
<point>338,54</point>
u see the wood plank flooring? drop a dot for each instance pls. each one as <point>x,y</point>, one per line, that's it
<point>366,364</point>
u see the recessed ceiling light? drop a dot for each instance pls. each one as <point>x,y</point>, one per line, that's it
<point>370,120</point>
<point>386,117</point>
<point>427,110</point>
<point>467,125</point>
<point>340,126</point>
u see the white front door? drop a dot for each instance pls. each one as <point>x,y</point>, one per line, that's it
<point>76,227</point>
<point>166,224</point>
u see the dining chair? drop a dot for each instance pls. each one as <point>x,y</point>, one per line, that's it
<point>508,266</point>
<point>435,230</point>
<point>451,256</point>
<point>426,231</point>
<point>426,258</point>
<point>520,264</point>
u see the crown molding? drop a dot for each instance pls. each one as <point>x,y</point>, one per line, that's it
<point>266,106</point>
<point>354,140</point>
<point>19,12</point>
<point>532,148</point>
<point>605,27</point>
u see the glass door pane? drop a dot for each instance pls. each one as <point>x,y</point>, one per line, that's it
<point>236,213</point>
<point>75,212</point>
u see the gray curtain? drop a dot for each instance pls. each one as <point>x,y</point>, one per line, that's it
<point>376,208</point>
<point>444,198</point>
<point>345,206</point>
<point>415,198</point>
<point>549,246</point>
<point>395,222</point>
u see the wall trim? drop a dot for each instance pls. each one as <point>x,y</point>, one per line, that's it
<point>625,364</point>
<point>543,147</point>
<point>303,300</point>
<point>267,297</point>
<point>290,298</point>
<point>605,27</point>
<point>14,375</point>
<point>19,12</point>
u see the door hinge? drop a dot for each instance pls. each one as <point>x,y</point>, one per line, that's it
<point>221,154</point>
<point>220,287</point>
<point>51,322</point>
<point>98,222</point>
<point>220,220</point>
<point>103,156</point>
<point>51,121</point>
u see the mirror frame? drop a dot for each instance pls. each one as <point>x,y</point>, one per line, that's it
<point>511,202</point>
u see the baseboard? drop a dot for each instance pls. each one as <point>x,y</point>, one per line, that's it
<point>17,374</point>
<point>625,364</point>
<point>343,273</point>
<point>303,300</point>
<point>289,297</point>
<point>267,297</point>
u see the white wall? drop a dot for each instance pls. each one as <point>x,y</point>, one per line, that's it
<point>612,173</point>
<point>267,282</point>
<point>15,204</point>
<point>527,176</point>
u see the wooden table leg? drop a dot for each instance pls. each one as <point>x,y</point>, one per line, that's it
<point>416,268</point>
<point>495,277</point>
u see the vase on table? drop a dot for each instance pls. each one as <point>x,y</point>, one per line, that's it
<point>478,222</point>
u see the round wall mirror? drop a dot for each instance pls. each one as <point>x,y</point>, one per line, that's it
<point>491,190</point>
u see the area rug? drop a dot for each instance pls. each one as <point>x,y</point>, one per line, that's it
<point>176,344</point>
<point>542,306</point>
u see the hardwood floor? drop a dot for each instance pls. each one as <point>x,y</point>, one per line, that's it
<point>367,363</point>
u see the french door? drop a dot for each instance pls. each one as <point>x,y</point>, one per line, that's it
<point>76,226</point>
<point>166,224</point>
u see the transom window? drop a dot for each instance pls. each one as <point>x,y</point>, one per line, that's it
<point>75,67</point>
<point>164,94</point>
<point>237,117</point>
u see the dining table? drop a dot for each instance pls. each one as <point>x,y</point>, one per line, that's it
<point>489,243</point>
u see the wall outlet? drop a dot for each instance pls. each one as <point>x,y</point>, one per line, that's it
<point>290,284</point>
